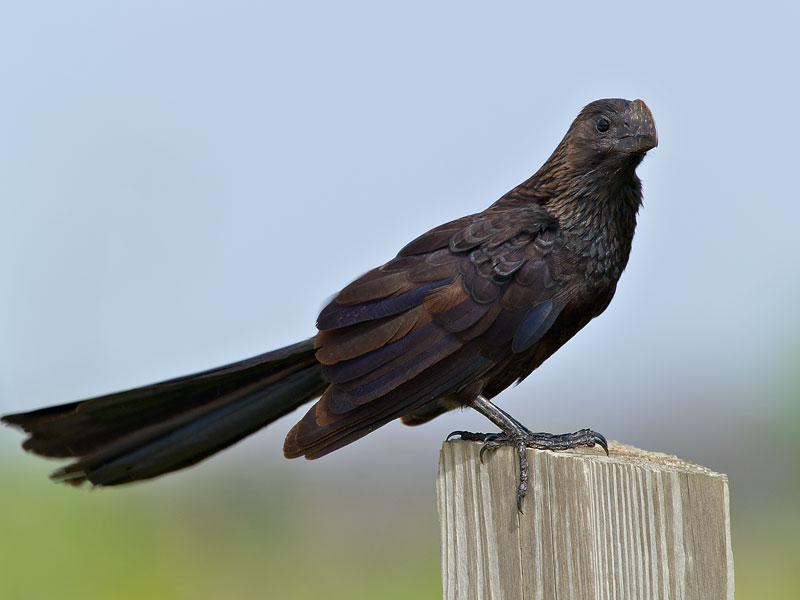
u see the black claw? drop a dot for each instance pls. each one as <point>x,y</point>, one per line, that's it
<point>601,441</point>
<point>467,436</point>
<point>453,434</point>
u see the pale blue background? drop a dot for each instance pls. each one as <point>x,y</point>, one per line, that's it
<point>182,184</point>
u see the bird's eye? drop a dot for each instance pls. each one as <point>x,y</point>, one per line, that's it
<point>602,125</point>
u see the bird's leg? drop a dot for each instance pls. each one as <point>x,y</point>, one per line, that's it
<point>516,434</point>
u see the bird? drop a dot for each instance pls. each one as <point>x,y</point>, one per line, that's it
<point>460,314</point>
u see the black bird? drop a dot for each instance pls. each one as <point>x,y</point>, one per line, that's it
<point>462,312</point>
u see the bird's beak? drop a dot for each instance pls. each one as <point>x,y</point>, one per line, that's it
<point>642,135</point>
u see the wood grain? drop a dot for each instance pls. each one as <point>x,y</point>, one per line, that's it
<point>635,525</point>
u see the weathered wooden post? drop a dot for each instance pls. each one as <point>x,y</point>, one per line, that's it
<point>635,525</point>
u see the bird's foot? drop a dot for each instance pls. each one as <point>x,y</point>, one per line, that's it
<point>522,439</point>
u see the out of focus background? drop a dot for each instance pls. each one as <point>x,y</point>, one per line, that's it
<point>183,184</point>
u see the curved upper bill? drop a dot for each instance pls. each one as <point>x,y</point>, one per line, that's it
<point>643,135</point>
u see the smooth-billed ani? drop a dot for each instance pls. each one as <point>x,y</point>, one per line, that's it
<point>462,312</point>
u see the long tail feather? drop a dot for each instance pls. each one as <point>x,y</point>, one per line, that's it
<point>152,430</point>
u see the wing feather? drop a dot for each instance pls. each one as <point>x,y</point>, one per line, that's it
<point>534,325</point>
<point>430,322</point>
<point>336,315</point>
<point>350,342</point>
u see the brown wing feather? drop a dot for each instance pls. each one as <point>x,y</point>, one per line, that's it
<point>375,285</point>
<point>427,324</point>
<point>346,343</point>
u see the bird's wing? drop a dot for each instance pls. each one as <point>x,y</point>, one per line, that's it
<point>430,322</point>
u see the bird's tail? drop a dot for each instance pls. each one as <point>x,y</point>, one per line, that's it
<point>152,430</point>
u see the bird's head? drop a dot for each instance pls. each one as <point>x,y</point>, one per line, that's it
<point>611,130</point>
<point>601,150</point>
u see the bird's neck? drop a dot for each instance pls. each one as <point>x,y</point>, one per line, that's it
<point>596,206</point>
<point>602,225</point>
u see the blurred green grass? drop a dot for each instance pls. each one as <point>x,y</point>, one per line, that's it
<point>223,538</point>
<point>226,537</point>
<point>299,530</point>
<point>766,554</point>
<point>765,491</point>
